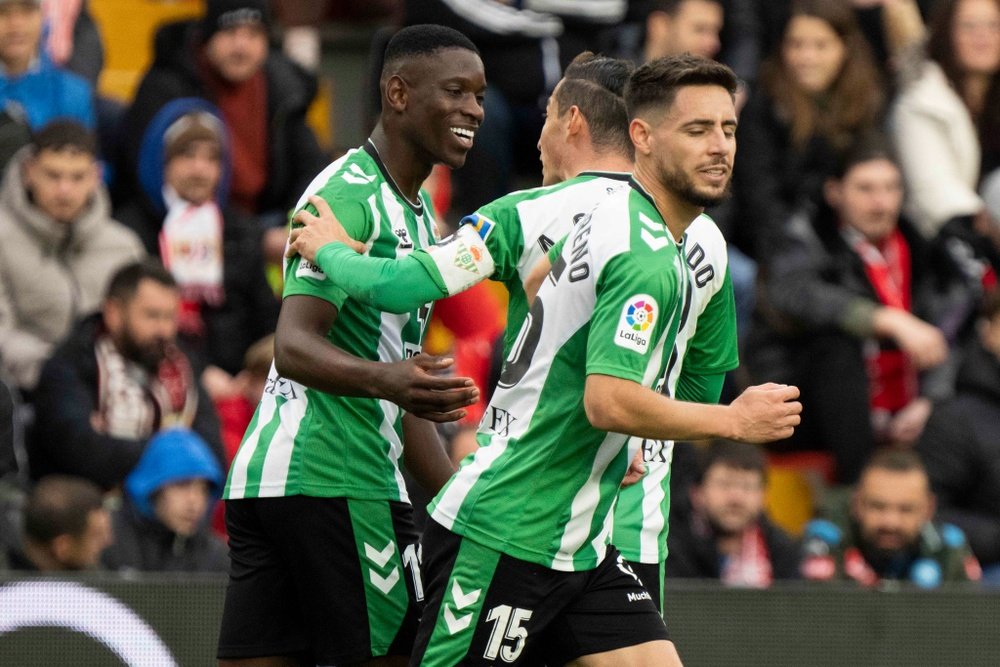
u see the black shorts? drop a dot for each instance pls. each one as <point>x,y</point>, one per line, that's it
<point>651,576</point>
<point>484,607</point>
<point>326,580</point>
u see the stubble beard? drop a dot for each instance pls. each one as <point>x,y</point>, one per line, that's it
<point>679,183</point>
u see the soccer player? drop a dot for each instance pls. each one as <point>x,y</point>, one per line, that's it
<point>516,561</point>
<point>324,560</point>
<point>585,136</point>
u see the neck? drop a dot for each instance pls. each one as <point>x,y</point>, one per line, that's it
<point>594,161</point>
<point>676,213</point>
<point>974,92</point>
<point>17,66</point>
<point>729,544</point>
<point>406,168</point>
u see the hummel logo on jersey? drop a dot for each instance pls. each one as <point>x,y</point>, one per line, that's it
<point>627,569</point>
<point>653,233</point>
<point>380,559</point>
<point>500,421</point>
<point>404,237</point>
<point>635,328</point>
<point>461,601</point>
<point>356,176</point>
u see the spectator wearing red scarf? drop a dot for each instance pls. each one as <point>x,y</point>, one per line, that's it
<point>855,306</point>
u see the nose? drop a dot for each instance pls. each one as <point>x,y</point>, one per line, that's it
<point>473,108</point>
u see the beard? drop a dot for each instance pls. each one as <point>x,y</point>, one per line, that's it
<point>149,354</point>
<point>681,185</point>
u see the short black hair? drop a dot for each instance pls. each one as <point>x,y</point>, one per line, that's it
<point>60,505</point>
<point>423,40</point>
<point>656,83</point>
<point>125,282</point>
<point>595,84</point>
<point>61,135</point>
<point>895,460</point>
<point>871,145</point>
<point>732,454</point>
<point>671,7</point>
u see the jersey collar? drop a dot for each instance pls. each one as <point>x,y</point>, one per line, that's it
<point>418,207</point>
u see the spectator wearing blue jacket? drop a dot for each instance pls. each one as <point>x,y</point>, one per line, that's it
<point>162,525</point>
<point>31,86</point>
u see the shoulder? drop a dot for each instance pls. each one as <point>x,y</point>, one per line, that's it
<point>353,176</point>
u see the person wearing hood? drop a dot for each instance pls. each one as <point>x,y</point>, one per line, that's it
<point>212,250</point>
<point>224,57</point>
<point>60,246</point>
<point>961,444</point>
<point>29,80</point>
<point>162,524</point>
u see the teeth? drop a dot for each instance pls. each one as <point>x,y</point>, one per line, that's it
<point>462,132</point>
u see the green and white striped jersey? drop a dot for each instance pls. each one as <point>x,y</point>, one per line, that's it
<point>541,486</point>
<point>303,441</point>
<point>705,344</point>
<point>519,228</point>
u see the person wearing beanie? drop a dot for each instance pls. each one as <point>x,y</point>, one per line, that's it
<point>212,250</point>
<point>162,524</point>
<point>224,57</point>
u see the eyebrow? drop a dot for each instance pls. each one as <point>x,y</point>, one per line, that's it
<point>706,122</point>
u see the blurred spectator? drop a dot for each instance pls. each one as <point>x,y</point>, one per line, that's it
<point>117,380</point>
<point>840,312</point>
<point>726,535</point>
<point>60,246</point>
<point>212,250</point>
<point>524,46</point>
<point>65,527</point>
<point>947,127</point>
<point>961,443</point>
<point>816,92</point>
<point>683,26</point>
<point>162,524</point>
<point>225,58</point>
<point>889,532</point>
<point>72,39</point>
<point>28,78</point>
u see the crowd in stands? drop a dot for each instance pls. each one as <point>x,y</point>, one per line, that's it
<point>863,231</point>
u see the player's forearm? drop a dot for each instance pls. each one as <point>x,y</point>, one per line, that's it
<point>424,454</point>
<point>394,286</point>
<point>311,360</point>
<point>620,406</point>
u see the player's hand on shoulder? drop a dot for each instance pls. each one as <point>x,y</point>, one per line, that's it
<point>317,231</point>
<point>417,386</point>
<point>765,413</point>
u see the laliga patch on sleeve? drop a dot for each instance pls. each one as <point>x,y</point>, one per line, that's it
<point>635,328</point>
<point>483,225</point>
<point>462,259</point>
<point>307,269</point>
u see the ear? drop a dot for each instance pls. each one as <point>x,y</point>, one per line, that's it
<point>833,192</point>
<point>641,134</point>
<point>396,93</point>
<point>112,310</point>
<point>695,494</point>
<point>657,27</point>
<point>576,123</point>
<point>931,506</point>
<point>61,547</point>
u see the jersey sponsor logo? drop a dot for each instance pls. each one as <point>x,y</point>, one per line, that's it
<point>483,225</point>
<point>635,328</point>
<point>655,451</point>
<point>275,385</point>
<point>307,269</point>
<point>640,596</point>
<point>355,175</point>
<point>500,421</point>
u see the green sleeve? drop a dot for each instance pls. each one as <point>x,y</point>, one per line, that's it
<point>499,226</point>
<point>391,285</point>
<point>714,349</point>
<point>635,307</point>
<point>305,278</point>
<point>700,388</point>
<point>556,250</point>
